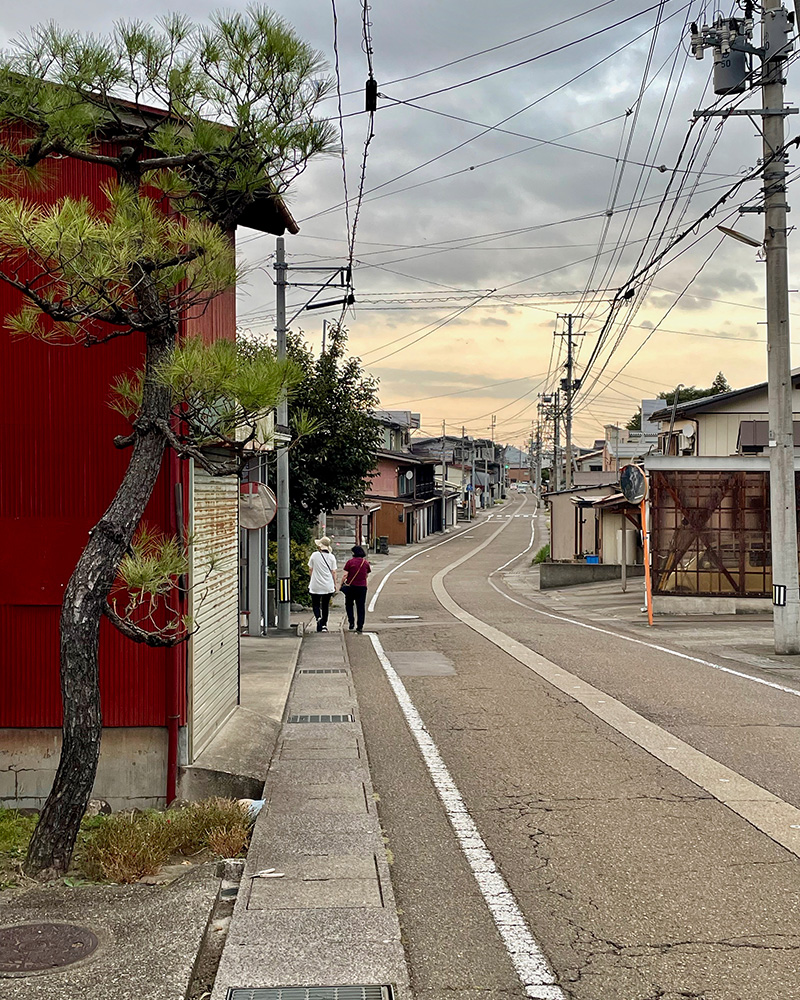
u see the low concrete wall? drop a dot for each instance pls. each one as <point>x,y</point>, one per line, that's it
<point>132,772</point>
<point>685,604</point>
<point>558,574</point>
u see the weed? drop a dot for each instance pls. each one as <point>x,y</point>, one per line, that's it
<point>128,846</point>
<point>227,841</point>
<point>543,555</point>
<point>15,832</point>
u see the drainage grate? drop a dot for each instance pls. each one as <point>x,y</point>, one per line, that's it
<point>321,718</point>
<point>327,670</point>
<point>310,993</point>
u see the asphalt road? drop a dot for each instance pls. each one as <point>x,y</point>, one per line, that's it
<point>635,881</point>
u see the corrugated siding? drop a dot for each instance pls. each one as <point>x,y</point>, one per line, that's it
<point>214,602</point>
<point>59,470</point>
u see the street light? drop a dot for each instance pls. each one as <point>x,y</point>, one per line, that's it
<point>741,237</point>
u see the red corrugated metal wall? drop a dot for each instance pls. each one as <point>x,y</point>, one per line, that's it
<point>59,470</point>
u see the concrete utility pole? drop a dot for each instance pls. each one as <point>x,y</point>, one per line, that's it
<point>783,517</point>
<point>494,452</point>
<point>444,477</point>
<point>284,571</point>
<point>471,476</point>
<point>538,480</point>
<point>569,385</point>
<point>730,39</point>
<point>556,441</point>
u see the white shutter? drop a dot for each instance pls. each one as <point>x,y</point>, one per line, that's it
<point>214,606</point>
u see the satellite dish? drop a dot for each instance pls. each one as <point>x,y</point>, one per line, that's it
<point>633,483</point>
<point>257,505</point>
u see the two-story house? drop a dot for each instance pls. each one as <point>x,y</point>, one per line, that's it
<point>403,483</point>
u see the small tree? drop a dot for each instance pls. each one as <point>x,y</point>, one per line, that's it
<point>235,126</point>
<point>719,385</point>
<point>635,423</point>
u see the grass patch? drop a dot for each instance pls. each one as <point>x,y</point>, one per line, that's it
<point>542,555</point>
<point>129,846</point>
<point>15,833</point>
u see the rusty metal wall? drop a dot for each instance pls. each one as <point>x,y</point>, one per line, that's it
<point>214,606</point>
<point>711,533</point>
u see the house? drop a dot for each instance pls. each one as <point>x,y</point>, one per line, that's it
<point>60,470</point>
<point>574,521</point>
<point>590,526</point>
<point>518,465</point>
<point>709,502</point>
<point>403,484</point>
<point>730,423</point>
<point>453,468</point>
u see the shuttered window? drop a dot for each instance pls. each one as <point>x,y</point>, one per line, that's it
<point>214,606</point>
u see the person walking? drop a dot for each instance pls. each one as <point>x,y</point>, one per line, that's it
<point>354,585</point>
<point>322,585</point>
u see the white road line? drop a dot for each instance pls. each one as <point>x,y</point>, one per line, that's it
<point>770,814</point>
<point>519,555</point>
<point>535,974</point>
<point>382,584</point>
<point>620,635</point>
<point>651,645</point>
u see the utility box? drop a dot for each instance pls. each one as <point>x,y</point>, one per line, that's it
<point>730,71</point>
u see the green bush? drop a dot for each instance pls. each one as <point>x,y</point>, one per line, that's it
<point>543,555</point>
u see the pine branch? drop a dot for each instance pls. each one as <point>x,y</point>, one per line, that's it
<point>131,631</point>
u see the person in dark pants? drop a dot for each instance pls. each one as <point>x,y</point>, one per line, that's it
<point>354,584</point>
<point>322,585</point>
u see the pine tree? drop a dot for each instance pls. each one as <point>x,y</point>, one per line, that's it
<point>233,127</point>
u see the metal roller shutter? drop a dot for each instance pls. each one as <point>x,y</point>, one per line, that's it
<point>214,606</point>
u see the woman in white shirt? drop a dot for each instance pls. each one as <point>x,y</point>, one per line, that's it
<point>322,586</point>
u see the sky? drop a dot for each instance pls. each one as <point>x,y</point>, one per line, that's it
<point>527,159</point>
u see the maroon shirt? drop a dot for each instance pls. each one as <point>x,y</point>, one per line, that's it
<point>357,569</point>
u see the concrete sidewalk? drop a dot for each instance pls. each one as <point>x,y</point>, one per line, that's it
<point>322,913</point>
<point>235,763</point>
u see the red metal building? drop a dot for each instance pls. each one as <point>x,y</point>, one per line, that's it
<point>59,470</point>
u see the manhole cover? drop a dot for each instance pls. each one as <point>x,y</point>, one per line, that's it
<point>39,947</point>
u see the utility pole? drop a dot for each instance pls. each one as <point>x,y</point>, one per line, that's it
<point>464,496</point>
<point>282,433</point>
<point>783,517</point>
<point>494,452</point>
<point>538,480</point>
<point>284,571</point>
<point>570,385</point>
<point>471,476</point>
<point>730,39</point>
<point>556,441</point>
<point>530,457</point>
<point>444,477</point>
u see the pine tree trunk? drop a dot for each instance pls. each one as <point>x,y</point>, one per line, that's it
<point>51,847</point>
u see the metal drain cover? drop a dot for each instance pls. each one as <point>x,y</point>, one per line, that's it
<point>39,947</point>
<point>321,718</point>
<point>310,993</point>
